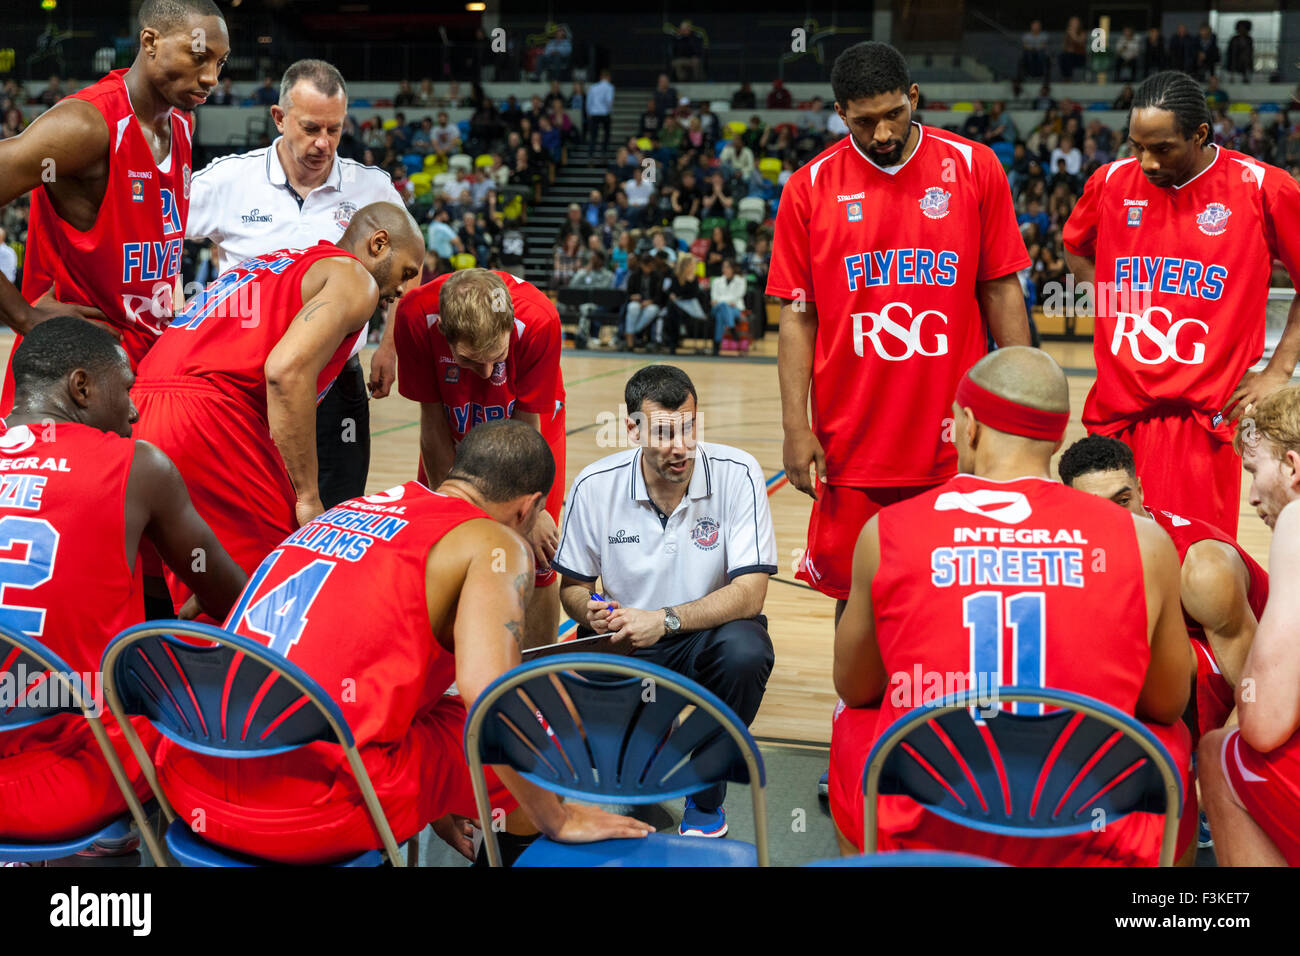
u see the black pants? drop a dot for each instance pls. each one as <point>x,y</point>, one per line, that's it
<point>733,661</point>
<point>594,123</point>
<point>343,436</point>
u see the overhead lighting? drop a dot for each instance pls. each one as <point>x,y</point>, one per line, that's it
<point>476,7</point>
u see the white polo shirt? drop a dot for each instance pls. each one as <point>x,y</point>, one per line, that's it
<point>722,528</point>
<point>245,205</point>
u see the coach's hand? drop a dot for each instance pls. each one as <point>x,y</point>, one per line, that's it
<point>308,509</point>
<point>598,613</point>
<point>383,369</point>
<point>584,824</point>
<point>1253,388</point>
<point>805,461</point>
<point>47,307</point>
<point>641,628</point>
<point>545,539</point>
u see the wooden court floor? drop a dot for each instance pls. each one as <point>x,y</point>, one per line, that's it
<point>740,405</point>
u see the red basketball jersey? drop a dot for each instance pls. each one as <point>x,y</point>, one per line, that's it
<point>228,331</point>
<point>529,378</point>
<point>1186,532</point>
<point>891,258</point>
<point>314,599</point>
<point>127,263</point>
<point>1182,282</point>
<point>66,578</point>
<point>1025,582</point>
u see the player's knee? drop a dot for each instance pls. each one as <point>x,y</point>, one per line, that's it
<point>1208,769</point>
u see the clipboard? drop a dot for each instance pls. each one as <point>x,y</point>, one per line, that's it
<point>596,644</point>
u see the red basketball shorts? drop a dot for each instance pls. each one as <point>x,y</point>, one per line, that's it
<point>55,783</point>
<point>903,824</point>
<point>223,449</point>
<point>553,431</point>
<point>1267,786</point>
<point>838,515</point>
<point>1190,471</point>
<point>1214,697</point>
<point>304,807</point>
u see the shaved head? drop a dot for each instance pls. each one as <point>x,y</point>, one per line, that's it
<point>1025,376</point>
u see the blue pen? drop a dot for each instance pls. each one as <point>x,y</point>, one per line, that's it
<point>600,597</point>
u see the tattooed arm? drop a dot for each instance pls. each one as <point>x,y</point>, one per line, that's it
<point>338,298</point>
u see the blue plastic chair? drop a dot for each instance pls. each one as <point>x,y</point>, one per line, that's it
<point>616,738</point>
<point>464,127</point>
<point>907,858</point>
<point>23,657</point>
<point>1020,774</point>
<point>414,163</point>
<point>270,706</point>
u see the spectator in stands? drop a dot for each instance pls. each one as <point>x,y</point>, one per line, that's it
<point>743,98</point>
<point>1034,214</point>
<point>687,54</point>
<point>552,139</point>
<point>639,192</point>
<point>1034,61</point>
<point>1215,98</point>
<point>650,122</point>
<point>814,119</point>
<point>456,193</point>
<point>594,275</point>
<point>593,210</point>
<point>1062,174</point>
<point>659,247</point>
<point>757,259</point>
<point>710,123</point>
<point>540,157</point>
<point>1074,48</point>
<point>720,250</point>
<point>224,95</point>
<point>567,260</point>
<point>511,113</point>
<point>422,139</point>
<point>1128,53</point>
<point>1124,101</point>
<point>485,126</point>
<point>1207,52</point>
<point>779,98</point>
<point>1060,203</point>
<point>665,96</point>
<point>442,238</point>
<point>646,298</point>
<point>787,170</point>
<point>1066,150</point>
<point>268,94</point>
<point>685,300</point>
<point>13,123</point>
<point>1093,158</point>
<point>977,123</point>
<point>1154,55</point>
<point>600,103</point>
<point>405,96</point>
<point>1000,128</point>
<point>737,161</point>
<point>1044,101</point>
<point>695,135</point>
<point>536,110</point>
<point>1019,168</point>
<point>554,97</point>
<point>610,187</point>
<point>1224,131</point>
<point>555,55</point>
<point>611,230</point>
<point>727,295</point>
<point>685,196</point>
<point>718,198</point>
<point>454,99</point>
<point>426,96</point>
<point>620,249</point>
<point>1241,52</point>
<point>474,238</point>
<point>1291,146</point>
<point>8,258</point>
<point>672,136</point>
<point>482,190</point>
<point>1182,50</point>
<point>574,224</point>
<point>53,92</point>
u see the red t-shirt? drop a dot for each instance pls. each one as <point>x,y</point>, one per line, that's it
<point>1182,283</point>
<point>891,259</point>
<point>528,379</point>
<point>227,332</point>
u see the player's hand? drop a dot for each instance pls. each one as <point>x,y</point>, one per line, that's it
<point>192,609</point>
<point>457,832</point>
<point>598,613</point>
<point>805,461</point>
<point>47,307</point>
<point>1253,388</point>
<point>308,509</point>
<point>383,369</point>
<point>545,539</point>
<point>640,628</point>
<point>584,824</point>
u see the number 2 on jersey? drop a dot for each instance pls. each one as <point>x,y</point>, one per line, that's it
<point>35,569</point>
<point>982,613</point>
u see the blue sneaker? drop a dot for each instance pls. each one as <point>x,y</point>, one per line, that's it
<point>1204,839</point>
<point>824,785</point>
<point>703,823</point>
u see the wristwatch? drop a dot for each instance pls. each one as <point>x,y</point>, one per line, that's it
<point>672,623</point>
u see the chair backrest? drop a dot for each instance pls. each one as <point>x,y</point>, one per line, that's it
<point>463,260</point>
<point>1044,775</point>
<point>442,179</point>
<point>219,693</point>
<point>483,160</point>
<point>605,728</point>
<point>36,683</point>
<point>461,161</point>
<point>686,227</point>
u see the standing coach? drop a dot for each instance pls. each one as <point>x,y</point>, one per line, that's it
<point>293,194</point>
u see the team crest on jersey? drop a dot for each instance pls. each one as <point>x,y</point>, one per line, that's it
<point>705,534</point>
<point>499,373</point>
<point>1135,215</point>
<point>1009,507</point>
<point>935,202</point>
<point>1214,220</point>
<point>185,179</point>
<point>855,211</point>
<point>137,190</point>
<point>344,213</point>
<point>452,375</point>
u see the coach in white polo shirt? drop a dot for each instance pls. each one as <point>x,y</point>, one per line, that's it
<point>680,535</point>
<point>293,194</point>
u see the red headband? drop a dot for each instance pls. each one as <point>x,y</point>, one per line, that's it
<point>1008,416</point>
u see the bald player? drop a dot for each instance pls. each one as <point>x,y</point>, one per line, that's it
<point>1112,631</point>
<point>456,571</point>
<point>1223,589</point>
<point>79,498</point>
<point>230,390</point>
<point>109,172</point>
<point>1250,774</point>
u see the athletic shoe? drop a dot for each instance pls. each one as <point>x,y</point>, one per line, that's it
<point>107,848</point>
<point>702,823</point>
<point>824,786</point>
<point>1204,839</point>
